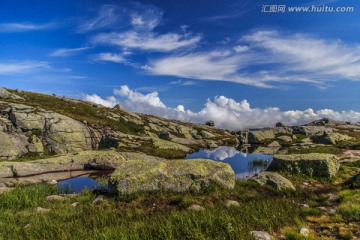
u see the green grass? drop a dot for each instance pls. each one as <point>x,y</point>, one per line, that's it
<point>322,149</point>
<point>311,212</point>
<point>156,215</point>
<point>350,205</point>
<point>352,164</point>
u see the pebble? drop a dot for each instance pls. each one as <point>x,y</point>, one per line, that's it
<point>42,210</point>
<point>196,208</point>
<point>98,200</point>
<point>232,203</point>
<point>261,235</point>
<point>304,232</point>
<point>56,198</point>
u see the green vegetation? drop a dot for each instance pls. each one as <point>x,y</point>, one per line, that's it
<point>150,149</point>
<point>321,149</point>
<point>350,205</point>
<point>155,215</point>
<point>353,164</point>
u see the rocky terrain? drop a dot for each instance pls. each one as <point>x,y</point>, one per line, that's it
<point>315,169</point>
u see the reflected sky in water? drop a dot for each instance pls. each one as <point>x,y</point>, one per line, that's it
<point>243,164</point>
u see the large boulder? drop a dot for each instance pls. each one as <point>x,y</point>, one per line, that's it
<point>58,133</point>
<point>273,180</point>
<point>70,162</point>
<point>175,175</point>
<point>259,136</point>
<point>312,164</point>
<point>331,138</point>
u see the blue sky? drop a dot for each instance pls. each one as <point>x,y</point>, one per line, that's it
<point>170,53</point>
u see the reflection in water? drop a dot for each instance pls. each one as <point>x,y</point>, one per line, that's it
<point>93,181</point>
<point>243,164</point>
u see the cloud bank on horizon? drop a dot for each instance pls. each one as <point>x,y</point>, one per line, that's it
<point>226,112</point>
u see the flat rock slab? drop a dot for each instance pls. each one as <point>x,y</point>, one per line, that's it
<point>171,175</point>
<point>312,164</point>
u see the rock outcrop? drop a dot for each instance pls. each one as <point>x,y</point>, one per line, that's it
<point>5,94</point>
<point>27,129</point>
<point>312,164</point>
<point>273,180</point>
<point>174,175</point>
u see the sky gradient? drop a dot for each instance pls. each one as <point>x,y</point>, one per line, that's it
<point>190,60</point>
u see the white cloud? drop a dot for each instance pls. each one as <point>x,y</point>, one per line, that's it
<point>182,83</point>
<point>226,112</point>
<point>110,57</point>
<point>148,41</point>
<point>64,52</point>
<point>146,17</point>
<point>277,57</point>
<point>222,153</point>
<point>108,102</point>
<point>107,15</point>
<point>151,99</point>
<point>141,35</point>
<point>23,27</point>
<point>241,48</point>
<point>21,67</point>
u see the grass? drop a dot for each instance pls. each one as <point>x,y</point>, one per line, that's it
<point>321,149</point>
<point>350,205</point>
<point>156,215</point>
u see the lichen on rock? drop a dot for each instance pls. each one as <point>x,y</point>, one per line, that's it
<point>312,164</point>
<point>174,175</point>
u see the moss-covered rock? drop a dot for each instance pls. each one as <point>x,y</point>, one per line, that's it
<point>259,136</point>
<point>69,162</point>
<point>312,164</point>
<point>273,180</point>
<point>331,138</point>
<point>175,175</point>
<point>12,146</point>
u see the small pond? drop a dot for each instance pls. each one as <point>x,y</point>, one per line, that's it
<point>90,182</point>
<point>244,165</point>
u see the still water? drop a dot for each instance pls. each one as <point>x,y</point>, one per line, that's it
<point>244,164</point>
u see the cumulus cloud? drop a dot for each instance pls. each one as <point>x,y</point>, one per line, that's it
<point>108,102</point>
<point>226,112</point>
<point>152,99</point>
<point>275,56</point>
